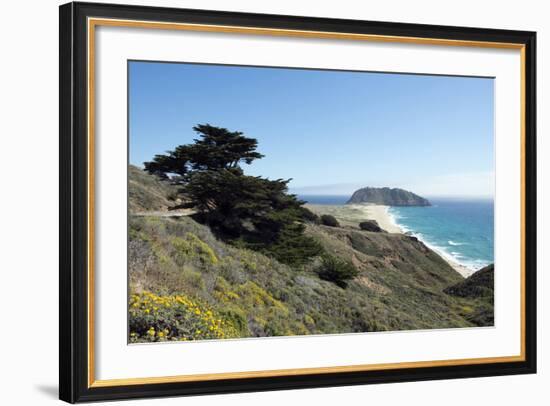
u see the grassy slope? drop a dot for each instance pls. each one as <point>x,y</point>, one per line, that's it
<point>400,285</point>
<point>478,287</point>
<point>479,284</point>
<point>147,193</point>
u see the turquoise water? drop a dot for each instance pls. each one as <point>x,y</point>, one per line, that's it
<point>461,230</point>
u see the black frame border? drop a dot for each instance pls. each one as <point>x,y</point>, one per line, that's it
<point>73,289</point>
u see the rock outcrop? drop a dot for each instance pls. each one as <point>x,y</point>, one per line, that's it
<point>370,225</point>
<point>387,196</point>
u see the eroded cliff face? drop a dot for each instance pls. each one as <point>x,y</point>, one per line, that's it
<point>388,197</point>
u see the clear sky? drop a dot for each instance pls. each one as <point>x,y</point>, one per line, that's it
<point>330,131</point>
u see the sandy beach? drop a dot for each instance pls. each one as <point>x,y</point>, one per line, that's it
<point>380,214</point>
<point>461,269</point>
<point>352,214</point>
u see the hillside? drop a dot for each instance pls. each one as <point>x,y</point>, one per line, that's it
<point>187,284</point>
<point>147,193</point>
<point>479,284</point>
<point>387,196</point>
<point>479,287</point>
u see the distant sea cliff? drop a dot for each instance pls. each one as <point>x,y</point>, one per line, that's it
<point>387,196</point>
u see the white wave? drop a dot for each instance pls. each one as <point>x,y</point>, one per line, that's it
<point>393,219</point>
<point>451,256</point>
<point>455,243</point>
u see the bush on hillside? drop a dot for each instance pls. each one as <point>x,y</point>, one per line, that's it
<point>308,215</point>
<point>328,220</point>
<point>175,318</point>
<point>335,270</point>
<point>370,225</point>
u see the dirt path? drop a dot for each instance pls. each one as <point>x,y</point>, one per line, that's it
<point>161,213</point>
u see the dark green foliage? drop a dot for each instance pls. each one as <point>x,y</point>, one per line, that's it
<point>250,211</point>
<point>328,220</point>
<point>478,287</point>
<point>217,148</point>
<point>479,284</point>
<point>308,215</point>
<point>292,247</point>
<point>335,270</point>
<point>238,320</point>
<point>370,225</point>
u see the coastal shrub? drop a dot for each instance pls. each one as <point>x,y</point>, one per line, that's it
<point>176,318</point>
<point>370,225</point>
<point>335,270</point>
<point>238,319</point>
<point>293,248</point>
<point>308,215</point>
<point>191,247</point>
<point>192,280</point>
<point>328,220</point>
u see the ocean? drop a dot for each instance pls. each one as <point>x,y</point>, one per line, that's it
<point>462,230</point>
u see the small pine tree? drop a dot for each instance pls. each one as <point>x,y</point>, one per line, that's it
<point>335,270</point>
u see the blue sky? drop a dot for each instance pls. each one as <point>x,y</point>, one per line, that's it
<point>331,132</point>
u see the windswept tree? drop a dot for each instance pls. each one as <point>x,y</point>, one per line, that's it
<point>249,211</point>
<point>216,149</point>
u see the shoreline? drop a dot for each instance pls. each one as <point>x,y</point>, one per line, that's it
<point>461,269</point>
<point>381,214</point>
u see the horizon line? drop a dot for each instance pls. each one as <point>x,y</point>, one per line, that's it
<point>486,197</point>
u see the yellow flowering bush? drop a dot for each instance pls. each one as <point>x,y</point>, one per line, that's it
<point>175,318</point>
<point>192,247</point>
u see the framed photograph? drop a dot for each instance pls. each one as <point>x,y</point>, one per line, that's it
<point>256,202</point>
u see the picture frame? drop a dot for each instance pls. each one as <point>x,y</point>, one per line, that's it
<point>77,284</point>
